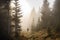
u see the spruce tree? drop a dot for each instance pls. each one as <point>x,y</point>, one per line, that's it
<point>38,28</point>
<point>45,15</point>
<point>32,20</point>
<point>46,18</point>
<point>56,14</point>
<point>32,26</point>
<point>4,19</point>
<point>16,20</point>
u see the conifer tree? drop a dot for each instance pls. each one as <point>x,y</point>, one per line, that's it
<point>46,18</point>
<point>16,20</point>
<point>38,25</point>
<point>32,26</point>
<point>32,19</point>
<point>4,19</point>
<point>56,14</point>
<point>45,15</point>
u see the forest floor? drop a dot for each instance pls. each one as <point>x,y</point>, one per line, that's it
<point>41,35</point>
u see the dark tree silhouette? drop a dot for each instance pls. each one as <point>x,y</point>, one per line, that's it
<point>56,15</point>
<point>17,16</point>
<point>4,19</point>
<point>15,21</point>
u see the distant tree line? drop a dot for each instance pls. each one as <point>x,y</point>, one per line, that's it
<point>50,19</point>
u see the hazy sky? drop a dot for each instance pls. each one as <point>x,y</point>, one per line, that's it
<point>26,7</point>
